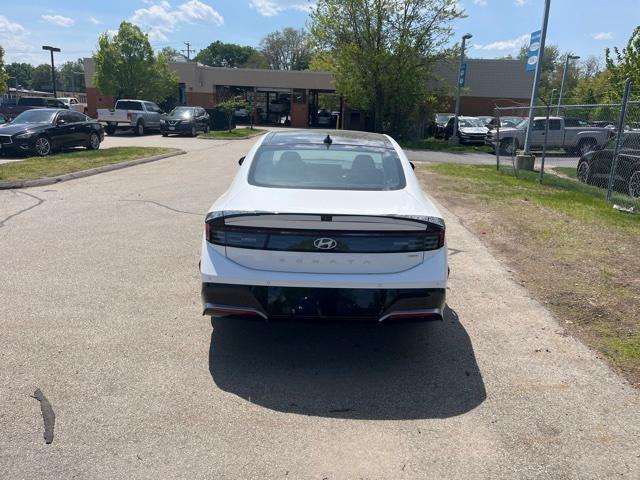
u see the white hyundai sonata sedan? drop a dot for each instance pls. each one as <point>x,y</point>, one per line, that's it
<point>324,225</point>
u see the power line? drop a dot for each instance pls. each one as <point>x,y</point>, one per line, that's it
<point>188,50</point>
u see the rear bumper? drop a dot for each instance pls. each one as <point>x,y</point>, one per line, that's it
<point>276,303</point>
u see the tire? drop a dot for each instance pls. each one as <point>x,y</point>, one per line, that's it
<point>583,171</point>
<point>139,131</point>
<point>633,186</point>
<point>207,129</point>
<point>165,134</point>
<point>110,129</point>
<point>585,146</point>
<point>94,141</point>
<point>42,146</point>
<point>194,131</point>
<point>507,146</point>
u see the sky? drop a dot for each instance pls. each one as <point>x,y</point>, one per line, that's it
<point>499,27</point>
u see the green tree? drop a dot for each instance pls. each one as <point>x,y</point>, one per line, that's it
<point>256,60</point>
<point>623,64</point>
<point>173,55</point>
<point>229,107</point>
<point>41,78</point>
<point>287,49</point>
<point>21,73</point>
<point>3,73</point>
<point>381,52</point>
<point>71,75</point>
<point>126,67</point>
<point>219,54</point>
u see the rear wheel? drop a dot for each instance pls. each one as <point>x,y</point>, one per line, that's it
<point>140,128</point>
<point>207,128</point>
<point>633,188</point>
<point>194,131</point>
<point>94,142</point>
<point>110,129</point>
<point>42,146</point>
<point>164,134</point>
<point>582,172</point>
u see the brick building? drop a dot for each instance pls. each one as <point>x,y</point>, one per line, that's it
<point>489,83</point>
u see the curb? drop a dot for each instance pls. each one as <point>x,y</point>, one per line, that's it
<point>235,139</point>
<point>40,182</point>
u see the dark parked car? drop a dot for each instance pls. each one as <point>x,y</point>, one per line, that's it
<point>3,119</point>
<point>42,131</point>
<point>185,121</point>
<point>28,103</point>
<point>595,167</point>
<point>439,123</point>
<point>323,119</point>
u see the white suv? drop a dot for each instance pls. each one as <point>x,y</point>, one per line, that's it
<point>324,225</point>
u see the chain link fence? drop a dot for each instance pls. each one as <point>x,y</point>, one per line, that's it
<point>599,145</point>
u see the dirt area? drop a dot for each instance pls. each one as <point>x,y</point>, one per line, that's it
<point>587,274</point>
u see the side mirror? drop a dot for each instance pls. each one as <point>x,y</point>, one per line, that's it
<point>413,166</point>
<point>61,121</point>
<point>241,160</point>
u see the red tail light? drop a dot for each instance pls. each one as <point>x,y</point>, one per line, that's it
<point>129,115</point>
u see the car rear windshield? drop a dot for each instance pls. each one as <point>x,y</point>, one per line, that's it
<point>338,167</point>
<point>35,116</point>
<point>127,105</point>
<point>31,101</point>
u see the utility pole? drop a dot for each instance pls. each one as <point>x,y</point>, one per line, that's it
<point>188,51</point>
<point>564,77</point>
<point>53,68</point>
<point>536,77</point>
<point>454,136</point>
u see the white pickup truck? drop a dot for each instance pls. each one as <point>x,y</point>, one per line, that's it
<point>74,104</point>
<point>136,115</point>
<point>570,135</point>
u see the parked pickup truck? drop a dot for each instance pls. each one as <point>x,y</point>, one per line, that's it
<point>136,115</point>
<point>74,104</point>
<point>579,139</point>
<point>11,111</point>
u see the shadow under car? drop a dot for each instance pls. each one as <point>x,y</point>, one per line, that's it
<point>349,370</point>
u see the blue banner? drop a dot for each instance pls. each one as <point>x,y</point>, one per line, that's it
<point>534,51</point>
<point>463,74</point>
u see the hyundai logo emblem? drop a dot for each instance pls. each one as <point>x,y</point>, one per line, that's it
<point>325,243</point>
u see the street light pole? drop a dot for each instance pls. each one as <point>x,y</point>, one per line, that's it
<point>454,137</point>
<point>53,67</point>
<point>536,77</point>
<point>564,77</point>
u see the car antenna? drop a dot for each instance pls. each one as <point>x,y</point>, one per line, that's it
<point>327,140</point>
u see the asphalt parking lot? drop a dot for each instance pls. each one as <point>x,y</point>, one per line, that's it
<point>100,309</point>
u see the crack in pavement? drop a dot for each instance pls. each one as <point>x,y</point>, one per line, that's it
<point>39,202</point>
<point>158,204</point>
<point>48,416</point>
